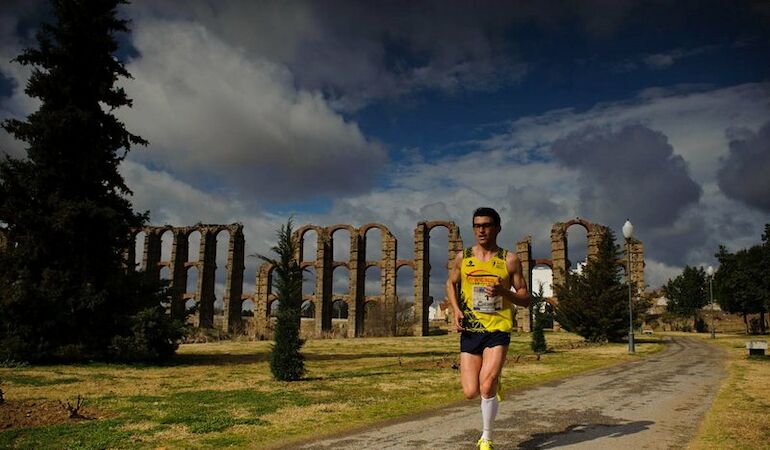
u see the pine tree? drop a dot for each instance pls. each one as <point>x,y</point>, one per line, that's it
<point>65,292</point>
<point>594,304</point>
<point>687,294</point>
<point>539,312</point>
<point>286,361</point>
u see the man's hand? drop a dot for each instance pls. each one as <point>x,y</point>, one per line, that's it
<point>458,319</point>
<point>495,290</point>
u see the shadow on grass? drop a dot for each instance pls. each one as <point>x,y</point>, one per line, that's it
<point>205,359</point>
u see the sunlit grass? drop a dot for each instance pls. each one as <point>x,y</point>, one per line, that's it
<point>740,415</point>
<point>222,394</point>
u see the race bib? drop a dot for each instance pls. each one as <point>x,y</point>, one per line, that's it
<point>484,303</point>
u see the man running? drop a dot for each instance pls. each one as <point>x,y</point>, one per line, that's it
<point>489,282</point>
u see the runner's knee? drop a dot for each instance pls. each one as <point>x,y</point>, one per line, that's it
<point>471,392</point>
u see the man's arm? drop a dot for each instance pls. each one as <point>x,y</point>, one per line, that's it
<point>452,283</point>
<point>519,292</point>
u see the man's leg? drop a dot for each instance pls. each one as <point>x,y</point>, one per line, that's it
<point>492,364</point>
<point>470,368</point>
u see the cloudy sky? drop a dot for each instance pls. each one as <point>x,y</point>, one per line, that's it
<point>401,111</point>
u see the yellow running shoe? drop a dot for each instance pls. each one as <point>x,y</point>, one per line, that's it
<point>485,444</point>
<point>499,394</point>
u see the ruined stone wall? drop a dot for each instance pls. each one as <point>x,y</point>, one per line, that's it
<point>367,315</point>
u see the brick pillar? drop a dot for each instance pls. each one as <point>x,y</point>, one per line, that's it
<point>207,277</point>
<point>178,270</point>
<point>524,253</point>
<point>595,235</point>
<point>234,279</point>
<point>421,278</point>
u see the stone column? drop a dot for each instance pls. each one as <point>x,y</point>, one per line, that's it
<point>323,283</point>
<point>207,277</point>
<point>234,279</point>
<point>524,253</point>
<point>358,279</point>
<point>388,281</point>
<point>558,260</point>
<point>178,270</point>
<point>421,278</point>
<point>262,298</point>
<point>354,288</point>
<point>595,235</point>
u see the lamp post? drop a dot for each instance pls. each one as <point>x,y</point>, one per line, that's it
<point>628,232</point>
<point>710,272</point>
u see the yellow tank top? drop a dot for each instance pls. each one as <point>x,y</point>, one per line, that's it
<point>482,313</point>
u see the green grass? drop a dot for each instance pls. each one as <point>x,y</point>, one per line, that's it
<point>222,395</point>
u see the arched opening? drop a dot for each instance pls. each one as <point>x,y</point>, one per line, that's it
<point>577,247</point>
<point>308,281</point>
<point>194,246</point>
<point>139,251</point>
<point>405,313</point>
<point>341,280</point>
<point>247,308</point>
<point>307,310</point>
<point>542,285</point>
<point>372,281</point>
<point>373,319</point>
<point>341,244</point>
<point>373,237</point>
<point>438,273</point>
<point>339,309</point>
<point>273,307</point>
<point>309,245</point>
<point>165,278</point>
<point>220,273</point>
<point>192,281</point>
<point>166,242</point>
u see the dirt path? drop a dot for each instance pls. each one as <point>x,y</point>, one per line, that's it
<point>655,403</point>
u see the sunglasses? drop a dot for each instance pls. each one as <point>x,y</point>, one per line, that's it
<point>477,226</point>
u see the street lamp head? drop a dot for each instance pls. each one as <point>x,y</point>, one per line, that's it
<point>710,271</point>
<point>628,229</point>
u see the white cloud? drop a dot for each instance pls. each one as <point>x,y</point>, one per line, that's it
<point>214,116</point>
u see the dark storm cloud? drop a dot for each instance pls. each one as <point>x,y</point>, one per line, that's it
<point>632,172</point>
<point>744,174</point>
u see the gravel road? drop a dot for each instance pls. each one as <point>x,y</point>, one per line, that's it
<point>654,403</point>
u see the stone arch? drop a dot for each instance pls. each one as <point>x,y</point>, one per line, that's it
<point>340,309</point>
<point>299,234</point>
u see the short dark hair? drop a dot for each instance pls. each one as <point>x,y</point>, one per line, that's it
<point>487,212</point>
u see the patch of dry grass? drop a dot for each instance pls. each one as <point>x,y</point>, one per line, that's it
<point>740,415</point>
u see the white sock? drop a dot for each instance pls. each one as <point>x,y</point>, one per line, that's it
<point>488,414</point>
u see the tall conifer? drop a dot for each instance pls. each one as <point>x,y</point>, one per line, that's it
<point>286,361</point>
<point>64,288</point>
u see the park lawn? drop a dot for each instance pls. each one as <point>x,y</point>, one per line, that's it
<point>222,394</point>
<point>740,415</point>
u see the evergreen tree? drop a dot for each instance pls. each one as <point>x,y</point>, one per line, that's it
<point>539,311</point>
<point>687,294</point>
<point>65,292</point>
<point>742,284</point>
<point>594,304</point>
<point>286,361</point>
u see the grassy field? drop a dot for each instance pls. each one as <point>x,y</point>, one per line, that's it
<point>222,395</point>
<point>740,415</point>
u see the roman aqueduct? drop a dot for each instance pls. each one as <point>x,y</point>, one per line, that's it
<point>318,305</point>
